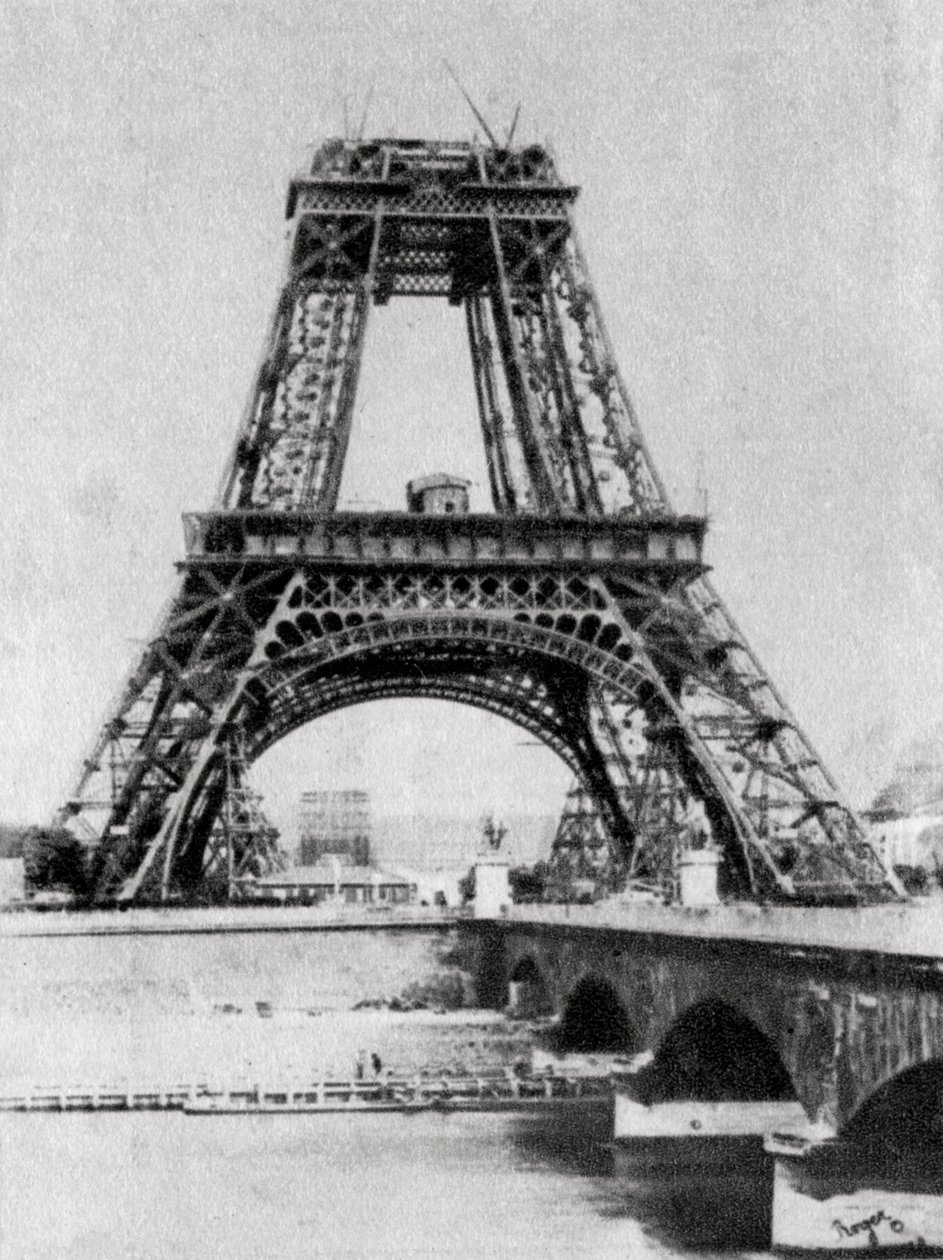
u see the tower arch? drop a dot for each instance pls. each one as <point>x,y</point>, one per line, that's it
<point>595,1018</point>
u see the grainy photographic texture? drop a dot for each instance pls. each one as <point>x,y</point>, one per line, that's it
<point>642,303</point>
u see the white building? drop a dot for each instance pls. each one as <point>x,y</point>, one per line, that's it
<point>12,880</point>
<point>906,816</point>
<point>914,841</point>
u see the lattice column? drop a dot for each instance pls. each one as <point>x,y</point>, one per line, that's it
<point>242,843</point>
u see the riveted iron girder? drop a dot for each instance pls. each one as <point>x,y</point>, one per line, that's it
<point>580,608</point>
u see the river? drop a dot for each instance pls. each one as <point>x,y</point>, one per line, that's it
<point>149,1186</point>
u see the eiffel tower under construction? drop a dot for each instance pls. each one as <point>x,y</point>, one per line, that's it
<point>579,607</point>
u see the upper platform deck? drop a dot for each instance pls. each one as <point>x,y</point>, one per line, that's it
<point>438,178</point>
<point>670,544</point>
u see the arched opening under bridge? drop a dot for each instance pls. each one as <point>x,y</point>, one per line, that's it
<point>529,996</point>
<point>713,1053</point>
<point>595,1020</point>
<point>901,1125</point>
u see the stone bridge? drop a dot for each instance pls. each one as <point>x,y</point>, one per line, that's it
<point>842,1009</point>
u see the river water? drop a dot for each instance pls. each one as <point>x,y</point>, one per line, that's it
<point>158,1185</point>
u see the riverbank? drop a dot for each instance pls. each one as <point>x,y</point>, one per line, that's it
<point>170,921</point>
<point>193,1007</point>
<point>242,1050</point>
<point>146,976</point>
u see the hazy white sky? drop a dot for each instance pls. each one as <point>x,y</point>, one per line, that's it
<point>761,211</point>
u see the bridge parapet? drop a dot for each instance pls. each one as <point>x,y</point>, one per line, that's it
<point>911,930</point>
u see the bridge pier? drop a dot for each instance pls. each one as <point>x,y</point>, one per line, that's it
<point>821,1193</point>
<point>647,1109</point>
<point>710,1151</point>
<point>693,1119</point>
<point>832,1195</point>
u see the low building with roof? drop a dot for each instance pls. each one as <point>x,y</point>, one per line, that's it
<point>334,882</point>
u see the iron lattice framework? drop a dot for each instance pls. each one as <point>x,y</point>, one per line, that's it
<point>581,851</point>
<point>579,608</point>
<point>242,843</point>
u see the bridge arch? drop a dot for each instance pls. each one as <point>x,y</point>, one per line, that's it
<point>903,1116</point>
<point>595,1018</point>
<point>530,996</point>
<point>713,1052</point>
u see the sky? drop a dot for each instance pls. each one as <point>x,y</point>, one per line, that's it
<point>761,211</point>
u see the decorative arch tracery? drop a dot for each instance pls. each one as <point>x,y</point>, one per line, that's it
<point>543,679</point>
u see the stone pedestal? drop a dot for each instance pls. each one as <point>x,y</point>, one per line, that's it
<point>492,887</point>
<point>693,1119</point>
<point>697,876</point>
<point>686,1129</point>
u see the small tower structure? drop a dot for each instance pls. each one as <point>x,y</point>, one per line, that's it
<point>440,494</point>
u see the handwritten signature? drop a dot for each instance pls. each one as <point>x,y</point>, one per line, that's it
<point>869,1225</point>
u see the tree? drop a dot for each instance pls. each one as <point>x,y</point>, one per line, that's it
<point>466,886</point>
<point>55,859</point>
<point>917,880</point>
<point>528,883</point>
